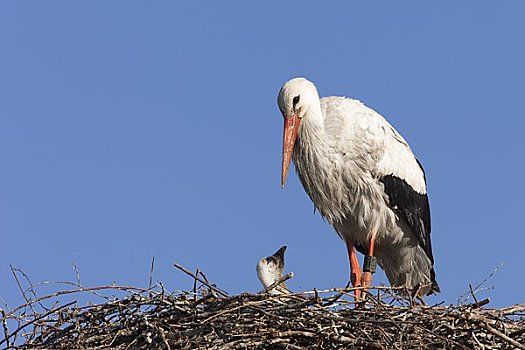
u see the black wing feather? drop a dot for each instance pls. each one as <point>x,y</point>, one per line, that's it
<point>412,207</point>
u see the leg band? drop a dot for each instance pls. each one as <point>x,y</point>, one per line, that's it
<point>369,264</point>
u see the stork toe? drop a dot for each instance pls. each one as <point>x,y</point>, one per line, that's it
<point>366,279</point>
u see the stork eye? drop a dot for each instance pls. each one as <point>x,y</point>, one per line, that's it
<point>296,100</point>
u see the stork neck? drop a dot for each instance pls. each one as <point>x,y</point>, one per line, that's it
<point>312,133</point>
<point>310,156</point>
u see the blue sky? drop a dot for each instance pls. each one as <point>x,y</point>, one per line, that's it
<point>130,130</point>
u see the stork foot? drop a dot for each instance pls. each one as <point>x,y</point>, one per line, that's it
<point>369,268</point>
<point>366,279</point>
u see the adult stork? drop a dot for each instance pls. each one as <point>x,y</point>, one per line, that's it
<point>363,178</point>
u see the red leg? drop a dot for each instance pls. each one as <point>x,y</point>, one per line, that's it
<point>356,273</point>
<point>366,279</point>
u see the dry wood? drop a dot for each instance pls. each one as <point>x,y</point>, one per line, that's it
<point>208,318</point>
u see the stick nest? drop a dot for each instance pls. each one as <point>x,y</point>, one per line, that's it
<point>208,318</point>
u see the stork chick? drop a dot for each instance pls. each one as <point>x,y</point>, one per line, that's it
<point>270,271</point>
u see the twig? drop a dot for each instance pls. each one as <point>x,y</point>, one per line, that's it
<point>195,286</point>
<point>13,271</point>
<point>503,336</point>
<point>180,267</point>
<point>77,273</point>
<point>279,281</point>
<point>74,291</point>
<point>6,329</point>
<point>152,267</point>
<point>37,318</point>
<point>473,294</point>
<point>154,319</point>
<point>478,286</point>
<point>480,303</point>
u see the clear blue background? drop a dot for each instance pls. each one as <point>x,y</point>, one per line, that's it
<point>137,129</point>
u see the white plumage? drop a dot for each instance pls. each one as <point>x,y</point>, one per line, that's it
<point>363,178</point>
<point>270,271</point>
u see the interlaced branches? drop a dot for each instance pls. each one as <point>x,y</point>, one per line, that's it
<point>208,318</point>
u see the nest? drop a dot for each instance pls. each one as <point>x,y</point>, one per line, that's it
<point>208,318</point>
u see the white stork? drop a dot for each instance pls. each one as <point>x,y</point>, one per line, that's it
<point>365,181</point>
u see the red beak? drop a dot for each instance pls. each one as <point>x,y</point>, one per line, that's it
<point>291,126</point>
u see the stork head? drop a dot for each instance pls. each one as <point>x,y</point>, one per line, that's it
<point>295,98</point>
